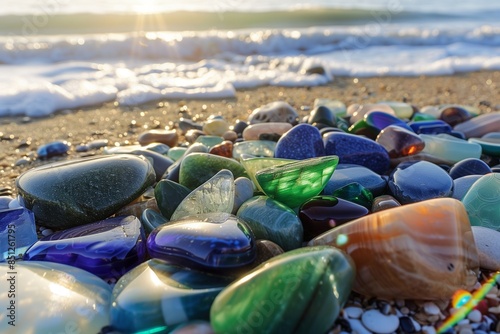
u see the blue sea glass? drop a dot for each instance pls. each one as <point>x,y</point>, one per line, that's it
<point>303,141</point>
<point>430,127</point>
<point>380,120</point>
<point>108,248</point>
<point>17,232</point>
<point>53,149</point>
<point>471,166</point>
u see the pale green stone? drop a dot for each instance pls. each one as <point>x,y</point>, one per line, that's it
<point>175,153</point>
<point>209,141</point>
<point>258,148</point>
<point>338,108</point>
<point>252,165</point>
<point>450,148</point>
<point>294,183</point>
<point>482,202</point>
<point>215,195</point>
<point>401,109</point>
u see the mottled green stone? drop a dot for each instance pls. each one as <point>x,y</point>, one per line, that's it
<point>482,202</point>
<point>295,182</point>
<point>215,195</point>
<point>356,193</point>
<point>155,297</point>
<point>198,168</point>
<point>271,220</point>
<point>169,195</point>
<point>253,165</point>
<point>151,219</point>
<point>301,291</point>
<point>78,192</point>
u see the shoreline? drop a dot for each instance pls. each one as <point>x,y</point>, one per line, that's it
<point>21,136</point>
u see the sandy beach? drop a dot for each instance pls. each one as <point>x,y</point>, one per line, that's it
<point>21,136</point>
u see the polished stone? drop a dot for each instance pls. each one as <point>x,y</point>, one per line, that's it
<point>489,146</point>
<point>380,120</point>
<point>417,181</point>
<point>151,219</point>
<point>209,141</point>
<point>488,247</point>
<point>17,232</point>
<point>454,115</point>
<point>215,127</point>
<point>353,149</point>
<point>470,166</point>
<point>338,108</point>
<point>349,173</point>
<point>108,248</point>
<point>224,149</point>
<point>253,132</point>
<point>213,241</point>
<point>358,111</point>
<point>480,125</point>
<point>169,195</point>
<point>419,251</point>
<point>258,148</point>
<point>301,291</point>
<point>53,149</point>
<point>384,202</point>
<point>295,182</point>
<point>159,161</point>
<point>400,142</point>
<point>54,298</point>
<point>271,220</point>
<point>156,297</point>
<point>324,115</point>
<point>482,202</point>
<point>430,127</point>
<point>303,141</point>
<point>322,213</point>
<point>167,137</point>
<point>356,193</point>
<point>243,191</point>
<point>450,148</point>
<point>197,168</point>
<point>252,165</point>
<point>462,185</point>
<point>215,195</point>
<point>277,111</point>
<point>77,192</point>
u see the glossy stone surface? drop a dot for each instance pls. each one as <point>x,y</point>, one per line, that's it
<point>489,146</point>
<point>243,191</point>
<point>482,202</point>
<point>454,115</point>
<point>295,182</point>
<point>338,108</point>
<point>151,219</point>
<point>462,185</point>
<point>277,111</point>
<point>417,181</point>
<point>450,148</point>
<point>480,125</point>
<point>430,127</point>
<point>224,149</point>
<point>167,137</point>
<point>322,114</point>
<point>208,241</point>
<point>423,250</point>
<point>169,195</point>
<point>215,127</point>
<point>198,168</point>
<point>215,195</point>
<point>253,132</point>
<point>209,141</point>
<point>384,202</point>
<point>348,173</point>
<point>252,165</point>
<point>380,120</point>
<point>77,192</point>
<point>54,298</point>
<point>352,149</point>
<point>358,111</point>
<point>322,213</point>
<point>160,162</point>
<point>52,149</point>
<point>108,248</point>
<point>356,193</point>
<point>470,166</point>
<point>271,220</point>
<point>301,291</point>
<point>400,142</point>
<point>258,148</point>
<point>17,232</point>
<point>156,297</point>
<point>303,141</point>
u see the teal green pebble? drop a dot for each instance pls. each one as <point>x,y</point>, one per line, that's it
<point>209,141</point>
<point>72,193</point>
<point>482,202</point>
<point>197,168</point>
<point>301,291</point>
<point>169,195</point>
<point>356,193</point>
<point>155,297</point>
<point>151,219</point>
<point>294,183</point>
<point>271,220</point>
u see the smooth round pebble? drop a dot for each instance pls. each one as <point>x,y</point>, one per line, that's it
<point>377,322</point>
<point>488,247</point>
<point>47,232</point>
<point>431,309</point>
<point>475,316</point>
<point>353,312</point>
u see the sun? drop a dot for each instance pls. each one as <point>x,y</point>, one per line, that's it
<point>146,7</point>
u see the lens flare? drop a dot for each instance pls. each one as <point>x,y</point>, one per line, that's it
<point>460,298</point>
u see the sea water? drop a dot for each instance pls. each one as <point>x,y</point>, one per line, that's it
<point>60,54</point>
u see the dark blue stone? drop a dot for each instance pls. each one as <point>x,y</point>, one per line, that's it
<point>301,142</point>
<point>53,149</point>
<point>462,185</point>
<point>352,149</point>
<point>322,115</point>
<point>4,202</point>
<point>412,182</point>
<point>430,127</point>
<point>471,166</point>
<point>17,232</point>
<point>207,241</point>
<point>108,248</point>
<point>380,120</point>
<point>322,213</point>
<point>349,173</point>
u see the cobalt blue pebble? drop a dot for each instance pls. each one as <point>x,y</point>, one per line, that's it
<point>471,166</point>
<point>52,149</point>
<point>301,142</point>
<point>352,149</point>
<point>430,127</point>
<point>348,173</point>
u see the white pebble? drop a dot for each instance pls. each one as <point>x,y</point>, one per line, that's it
<point>353,312</point>
<point>431,309</point>
<point>358,327</point>
<point>378,322</point>
<point>47,232</point>
<point>475,316</point>
<point>428,330</point>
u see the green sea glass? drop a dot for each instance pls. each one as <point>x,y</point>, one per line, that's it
<point>169,195</point>
<point>402,110</point>
<point>209,141</point>
<point>252,165</point>
<point>301,291</point>
<point>356,193</point>
<point>450,148</point>
<point>490,146</point>
<point>294,183</point>
<point>151,219</point>
<point>175,153</point>
<point>482,202</point>
<point>258,148</point>
<point>271,220</point>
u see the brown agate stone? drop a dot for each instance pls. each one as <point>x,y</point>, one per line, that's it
<point>424,250</point>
